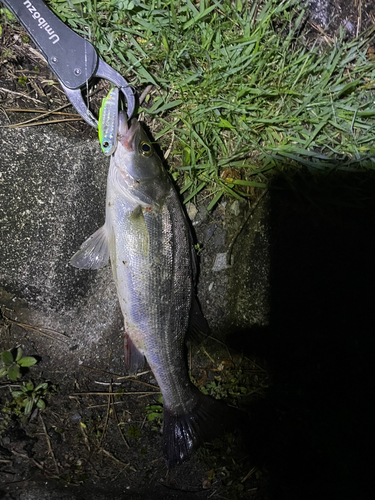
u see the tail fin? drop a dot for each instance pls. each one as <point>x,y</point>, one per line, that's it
<point>183,433</point>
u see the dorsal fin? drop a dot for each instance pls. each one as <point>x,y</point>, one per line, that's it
<point>198,326</point>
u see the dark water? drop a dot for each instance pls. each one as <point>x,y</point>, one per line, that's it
<point>314,430</point>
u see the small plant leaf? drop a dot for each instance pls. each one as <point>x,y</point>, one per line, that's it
<point>28,407</point>
<point>225,123</point>
<point>215,199</point>
<point>14,372</point>
<point>154,408</point>
<point>42,386</point>
<point>9,15</point>
<point>19,354</point>
<point>3,371</point>
<point>29,386</point>
<point>153,416</point>
<point>41,404</point>
<point>16,394</point>
<point>27,361</point>
<point>7,357</point>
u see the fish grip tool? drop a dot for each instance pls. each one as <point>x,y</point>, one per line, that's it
<point>72,58</point>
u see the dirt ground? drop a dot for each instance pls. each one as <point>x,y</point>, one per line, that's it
<point>299,370</point>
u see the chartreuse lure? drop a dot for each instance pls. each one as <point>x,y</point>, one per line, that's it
<point>108,122</point>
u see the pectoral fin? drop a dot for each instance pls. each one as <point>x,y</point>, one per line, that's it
<point>94,252</point>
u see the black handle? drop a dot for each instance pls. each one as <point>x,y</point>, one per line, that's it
<point>70,56</point>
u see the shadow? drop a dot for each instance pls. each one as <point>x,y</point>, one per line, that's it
<point>313,431</point>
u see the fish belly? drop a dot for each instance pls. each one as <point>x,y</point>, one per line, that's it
<point>151,261</point>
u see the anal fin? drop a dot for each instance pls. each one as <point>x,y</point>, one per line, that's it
<point>134,359</point>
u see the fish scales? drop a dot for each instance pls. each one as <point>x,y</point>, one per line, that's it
<point>158,266</point>
<point>147,238</point>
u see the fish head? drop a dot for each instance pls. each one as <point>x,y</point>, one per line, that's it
<point>141,170</point>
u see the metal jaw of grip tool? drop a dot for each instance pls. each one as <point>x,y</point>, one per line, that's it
<point>72,58</point>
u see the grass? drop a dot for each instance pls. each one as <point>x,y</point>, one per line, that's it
<point>238,86</point>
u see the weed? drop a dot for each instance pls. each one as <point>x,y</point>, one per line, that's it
<point>30,396</point>
<point>233,383</point>
<point>13,361</point>
<point>155,414</point>
<point>22,80</point>
<point>25,400</point>
<point>198,249</point>
<point>6,14</point>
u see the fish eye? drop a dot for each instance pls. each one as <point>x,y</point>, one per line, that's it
<point>145,149</point>
<point>105,144</point>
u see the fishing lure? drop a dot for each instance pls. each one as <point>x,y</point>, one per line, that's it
<point>108,122</point>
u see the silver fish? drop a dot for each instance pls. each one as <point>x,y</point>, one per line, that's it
<point>147,237</point>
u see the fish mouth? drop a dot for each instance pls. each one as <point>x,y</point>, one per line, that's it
<point>127,131</point>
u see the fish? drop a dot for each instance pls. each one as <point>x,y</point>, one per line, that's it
<point>108,122</point>
<point>148,240</point>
